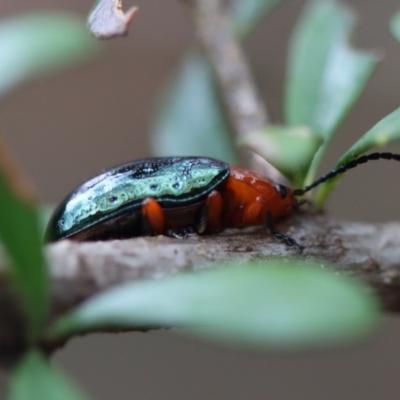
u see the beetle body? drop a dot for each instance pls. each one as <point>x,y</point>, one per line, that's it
<point>179,195</point>
<point>169,195</point>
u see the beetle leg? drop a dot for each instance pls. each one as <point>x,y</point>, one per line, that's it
<point>182,233</point>
<point>253,211</point>
<point>154,216</point>
<point>299,203</point>
<point>210,216</point>
<point>280,236</point>
<point>201,224</point>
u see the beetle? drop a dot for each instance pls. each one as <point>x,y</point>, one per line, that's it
<point>178,196</point>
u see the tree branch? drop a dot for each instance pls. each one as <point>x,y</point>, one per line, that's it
<point>80,270</point>
<point>215,33</point>
<point>371,252</point>
<point>245,109</point>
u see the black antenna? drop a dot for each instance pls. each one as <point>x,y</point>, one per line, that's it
<point>345,167</point>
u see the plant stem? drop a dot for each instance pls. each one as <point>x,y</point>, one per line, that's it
<point>215,33</point>
<point>245,109</point>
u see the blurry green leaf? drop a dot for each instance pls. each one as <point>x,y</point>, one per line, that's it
<point>248,13</point>
<point>44,213</point>
<point>38,43</point>
<point>325,75</point>
<point>21,236</point>
<point>383,133</point>
<point>395,25</point>
<point>35,379</point>
<point>272,304</point>
<point>190,121</point>
<point>289,149</point>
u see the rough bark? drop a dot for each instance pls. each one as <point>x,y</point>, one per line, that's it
<point>80,270</point>
<point>370,252</point>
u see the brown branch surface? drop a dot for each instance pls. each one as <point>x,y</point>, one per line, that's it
<point>81,270</point>
<point>371,252</point>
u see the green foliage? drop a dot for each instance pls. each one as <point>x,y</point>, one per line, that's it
<point>248,13</point>
<point>189,119</point>
<point>325,75</point>
<point>44,214</point>
<point>288,148</point>
<point>35,379</point>
<point>20,233</point>
<point>270,304</point>
<point>31,45</point>
<point>395,25</point>
<point>385,132</point>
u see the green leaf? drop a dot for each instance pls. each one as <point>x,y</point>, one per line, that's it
<point>45,211</point>
<point>190,121</point>
<point>35,379</point>
<point>385,132</point>
<point>325,76</point>
<point>21,236</point>
<point>395,25</point>
<point>289,149</point>
<point>248,13</point>
<point>38,43</point>
<point>272,304</point>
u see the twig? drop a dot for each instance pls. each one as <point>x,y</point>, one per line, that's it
<point>371,252</point>
<point>245,108</point>
<point>215,33</point>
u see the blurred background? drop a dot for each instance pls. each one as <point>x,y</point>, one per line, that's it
<point>68,126</point>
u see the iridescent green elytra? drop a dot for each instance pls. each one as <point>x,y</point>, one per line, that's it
<point>108,206</point>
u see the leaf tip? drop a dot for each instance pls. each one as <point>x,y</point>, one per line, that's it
<point>395,25</point>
